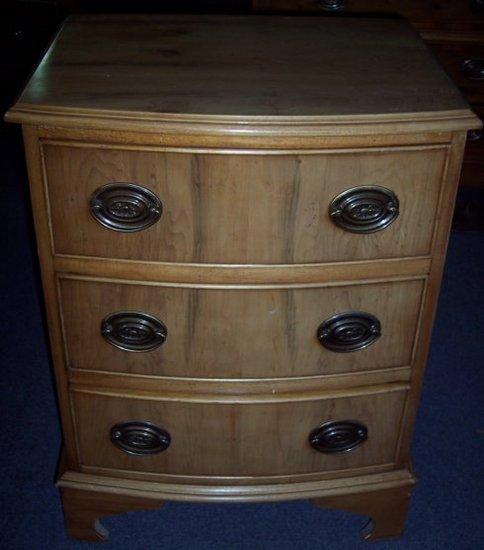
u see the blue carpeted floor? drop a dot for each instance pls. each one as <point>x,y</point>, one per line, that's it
<point>447,505</point>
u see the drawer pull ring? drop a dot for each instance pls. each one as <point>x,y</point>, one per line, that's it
<point>338,437</point>
<point>140,438</point>
<point>125,207</point>
<point>133,331</point>
<point>349,331</point>
<point>473,69</point>
<point>331,5</point>
<point>364,209</point>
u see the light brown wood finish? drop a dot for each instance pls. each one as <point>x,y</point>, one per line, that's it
<point>49,284</point>
<point>240,425</point>
<point>454,31</point>
<point>232,208</point>
<point>238,333</point>
<point>227,275</point>
<point>94,66</point>
<point>236,389</point>
<point>83,508</point>
<point>357,131</point>
<point>238,440</point>
<point>200,492</point>
<point>239,485</point>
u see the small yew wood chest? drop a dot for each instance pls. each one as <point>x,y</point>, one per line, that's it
<point>241,225</point>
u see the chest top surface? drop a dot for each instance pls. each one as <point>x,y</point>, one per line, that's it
<point>237,66</point>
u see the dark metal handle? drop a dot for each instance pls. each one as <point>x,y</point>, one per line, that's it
<point>125,207</point>
<point>364,209</point>
<point>477,6</point>
<point>473,69</point>
<point>331,5</point>
<point>474,135</point>
<point>349,331</point>
<point>140,438</point>
<point>133,331</point>
<point>338,437</point>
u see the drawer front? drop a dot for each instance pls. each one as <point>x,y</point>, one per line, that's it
<point>221,208</point>
<point>234,439</point>
<point>238,333</point>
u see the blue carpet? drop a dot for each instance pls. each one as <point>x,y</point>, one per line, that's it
<point>447,506</point>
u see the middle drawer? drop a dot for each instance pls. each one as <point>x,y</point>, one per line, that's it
<point>238,333</point>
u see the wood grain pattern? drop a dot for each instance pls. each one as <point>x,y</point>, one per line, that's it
<point>245,146</point>
<point>230,208</point>
<point>208,65</point>
<point>338,133</point>
<point>237,483</point>
<point>189,395</point>
<point>44,246</point>
<point>352,484</point>
<point>238,440</point>
<point>257,132</point>
<point>238,333</point>
<point>288,489</point>
<point>226,275</point>
<point>236,389</point>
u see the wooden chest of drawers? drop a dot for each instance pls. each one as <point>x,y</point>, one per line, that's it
<point>241,226</point>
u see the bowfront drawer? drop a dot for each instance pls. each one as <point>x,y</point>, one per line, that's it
<point>243,208</point>
<point>223,439</point>
<point>238,333</point>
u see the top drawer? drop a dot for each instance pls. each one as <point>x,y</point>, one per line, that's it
<point>243,208</point>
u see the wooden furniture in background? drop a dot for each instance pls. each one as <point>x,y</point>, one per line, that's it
<point>241,226</point>
<point>453,30</point>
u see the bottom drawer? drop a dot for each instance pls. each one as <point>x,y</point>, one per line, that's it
<point>238,439</point>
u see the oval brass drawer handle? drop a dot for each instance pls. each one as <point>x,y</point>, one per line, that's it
<point>338,437</point>
<point>133,331</point>
<point>140,438</point>
<point>349,331</point>
<point>125,207</point>
<point>364,209</point>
